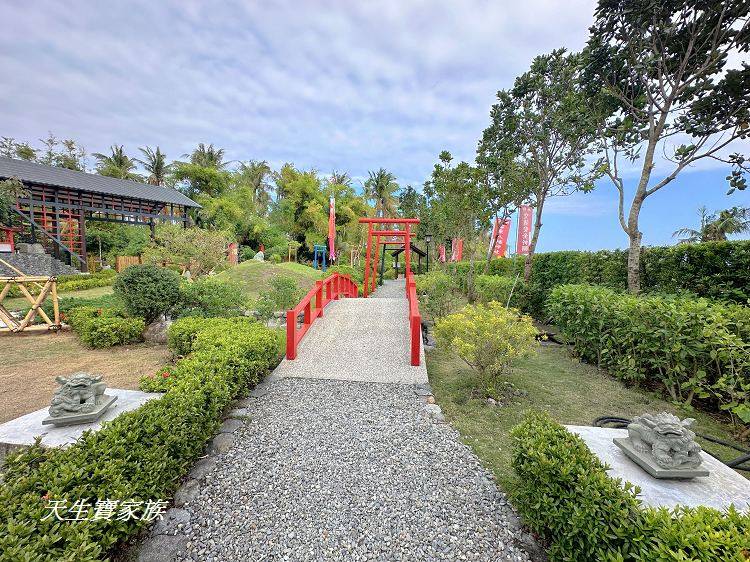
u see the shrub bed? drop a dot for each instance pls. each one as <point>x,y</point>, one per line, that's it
<point>501,288</point>
<point>140,456</point>
<point>565,495</point>
<point>100,327</point>
<point>76,282</point>
<point>693,347</point>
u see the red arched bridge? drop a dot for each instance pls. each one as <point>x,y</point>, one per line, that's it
<point>335,333</point>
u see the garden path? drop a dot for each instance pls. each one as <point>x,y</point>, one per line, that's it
<point>340,459</point>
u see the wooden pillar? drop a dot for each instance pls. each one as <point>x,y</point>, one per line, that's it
<point>407,250</point>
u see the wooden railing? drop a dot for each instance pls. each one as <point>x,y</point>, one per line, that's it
<point>415,320</point>
<point>330,289</point>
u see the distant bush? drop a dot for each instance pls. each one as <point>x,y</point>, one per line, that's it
<point>565,495</point>
<point>437,293</point>
<point>99,328</point>
<point>209,297</point>
<point>488,337</point>
<point>283,295</point>
<point>501,289</point>
<point>102,278</point>
<point>148,291</point>
<point>275,258</point>
<point>141,454</point>
<point>693,347</point>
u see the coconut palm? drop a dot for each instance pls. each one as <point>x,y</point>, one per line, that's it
<point>116,165</point>
<point>207,156</point>
<point>257,174</point>
<point>380,187</point>
<point>155,163</point>
<point>340,178</point>
<point>735,220</point>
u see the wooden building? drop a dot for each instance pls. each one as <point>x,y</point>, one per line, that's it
<point>59,201</point>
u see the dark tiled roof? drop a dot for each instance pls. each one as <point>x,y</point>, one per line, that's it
<point>31,172</point>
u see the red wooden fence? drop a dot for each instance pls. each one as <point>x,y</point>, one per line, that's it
<point>325,291</point>
<point>415,320</point>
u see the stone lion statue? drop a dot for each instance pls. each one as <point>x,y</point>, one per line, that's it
<point>78,394</point>
<point>667,438</point>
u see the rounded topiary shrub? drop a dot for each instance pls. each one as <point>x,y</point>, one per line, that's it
<point>148,291</point>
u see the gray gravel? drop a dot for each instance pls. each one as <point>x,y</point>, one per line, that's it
<point>339,470</point>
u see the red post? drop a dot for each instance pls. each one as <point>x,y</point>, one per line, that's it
<point>291,334</point>
<point>407,249</point>
<point>319,297</point>
<point>367,260</point>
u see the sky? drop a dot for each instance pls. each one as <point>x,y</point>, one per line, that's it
<point>348,86</point>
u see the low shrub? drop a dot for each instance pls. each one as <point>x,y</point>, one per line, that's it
<point>182,332</point>
<point>209,297</point>
<point>488,337</point>
<point>148,291</point>
<point>102,278</point>
<point>283,295</point>
<point>503,289</point>
<point>99,328</point>
<point>140,456</point>
<point>437,293</point>
<point>565,495</point>
<point>695,348</point>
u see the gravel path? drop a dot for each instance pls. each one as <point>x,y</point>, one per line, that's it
<point>339,470</point>
<point>391,289</point>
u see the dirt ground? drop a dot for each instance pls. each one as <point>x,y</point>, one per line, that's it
<point>29,364</point>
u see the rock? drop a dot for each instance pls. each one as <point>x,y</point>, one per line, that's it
<point>423,390</point>
<point>434,412</point>
<point>238,413</point>
<point>430,399</point>
<point>221,443</point>
<point>186,493</point>
<point>156,332</point>
<point>27,248</point>
<point>230,426</point>
<point>491,402</point>
<point>174,519</point>
<point>161,548</point>
<point>202,468</point>
<point>260,256</point>
<point>187,275</point>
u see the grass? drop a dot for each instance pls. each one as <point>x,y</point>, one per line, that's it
<point>253,277</point>
<point>20,303</point>
<point>573,392</point>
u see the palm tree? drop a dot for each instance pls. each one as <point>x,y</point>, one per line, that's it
<point>256,174</point>
<point>116,165</point>
<point>207,156</point>
<point>155,163</point>
<point>716,227</point>
<point>340,178</point>
<point>380,188</point>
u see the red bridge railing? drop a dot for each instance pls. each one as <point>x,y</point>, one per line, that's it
<point>415,320</point>
<point>330,289</point>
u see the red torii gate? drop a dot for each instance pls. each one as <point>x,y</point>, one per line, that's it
<point>380,236</point>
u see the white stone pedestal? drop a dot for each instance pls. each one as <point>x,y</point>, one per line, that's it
<point>721,488</point>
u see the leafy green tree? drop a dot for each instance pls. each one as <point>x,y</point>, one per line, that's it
<point>662,68</point>
<point>194,249</point>
<point>546,124</point>
<point>10,190</point>
<point>207,156</point>
<point>8,147</point>
<point>198,180</point>
<point>302,211</point>
<point>457,195</point>
<point>349,208</point>
<point>380,188</point>
<point>24,151</point>
<point>256,174</point>
<point>155,164</point>
<point>72,156</point>
<point>117,164</point>
<point>340,178</point>
<point>715,226</point>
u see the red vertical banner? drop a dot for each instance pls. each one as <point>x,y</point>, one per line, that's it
<point>441,253</point>
<point>457,249</point>
<point>502,243</point>
<point>233,253</point>
<point>493,237</point>
<point>524,230</point>
<point>331,228</point>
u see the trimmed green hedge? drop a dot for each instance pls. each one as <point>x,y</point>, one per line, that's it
<point>67,283</point>
<point>141,455</point>
<point>693,347</point>
<point>565,495</point>
<point>500,288</point>
<point>102,327</point>
<point>715,270</point>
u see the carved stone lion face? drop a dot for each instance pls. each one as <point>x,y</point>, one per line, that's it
<point>670,425</point>
<point>79,380</point>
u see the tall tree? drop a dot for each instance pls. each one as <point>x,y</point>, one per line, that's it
<point>257,174</point>
<point>380,188</point>
<point>340,178</point>
<point>155,164</point>
<point>662,67</point>
<point>544,121</point>
<point>207,156</point>
<point>117,164</point>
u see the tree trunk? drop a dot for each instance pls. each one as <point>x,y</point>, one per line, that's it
<point>534,239</point>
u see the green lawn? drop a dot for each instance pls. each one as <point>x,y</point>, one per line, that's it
<point>254,276</point>
<point>21,303</point>
<point>574,393</point>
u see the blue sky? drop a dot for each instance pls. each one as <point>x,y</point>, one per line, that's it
<point>350,86</point>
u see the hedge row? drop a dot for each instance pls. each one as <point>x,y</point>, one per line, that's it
<point>716,270</point>
<point>565,495</point>
<point>103,327</point>
<point>141,455</point>
<point>77,282</point>
<point>693,347</point>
